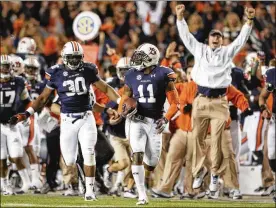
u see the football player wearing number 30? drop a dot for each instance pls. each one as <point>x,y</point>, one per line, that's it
<point>149,84</point>
<point>72,81</point>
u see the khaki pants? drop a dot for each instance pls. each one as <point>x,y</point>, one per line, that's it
<point>174,161</point>
<point>70,175</point>
<point>122,152</point>
<point>230,176</point>
<point>213,112</point>
<point>159,170</point>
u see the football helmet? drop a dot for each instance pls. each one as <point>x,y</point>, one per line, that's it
<point>17,65</point>
<point>31,68</point>
<point>26,45</point>
<point>122,66</point>
<point>144,56</point>
<point>5,69</point>
<point>72,55</point>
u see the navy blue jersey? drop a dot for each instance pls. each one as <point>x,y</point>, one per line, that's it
<point>271,85</point>
<point>150,89</point>
<point>35,88</point>
<point>10,100</point>
<point>73,86</point>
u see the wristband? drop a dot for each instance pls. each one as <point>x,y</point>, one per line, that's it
<point>251,18</point>
<point>30,111</point>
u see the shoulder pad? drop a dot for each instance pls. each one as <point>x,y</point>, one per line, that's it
<point>20,81</point>
<point>52,70</point>
<point>89,65</point>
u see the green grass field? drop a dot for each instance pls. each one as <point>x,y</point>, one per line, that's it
<point>54,200</point>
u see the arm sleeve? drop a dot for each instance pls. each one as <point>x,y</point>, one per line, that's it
<point>237,98</point>
<point>173,99</point>
<point>240,41</point>
<point>187,38</point>
<point>183,100</point>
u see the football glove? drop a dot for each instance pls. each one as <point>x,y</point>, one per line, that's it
<point>187,108</point>
<point>18,118</point>
<point>161,124</point>
<point>247,112</point>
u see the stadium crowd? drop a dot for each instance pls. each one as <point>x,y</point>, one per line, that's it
<point>125,26</point>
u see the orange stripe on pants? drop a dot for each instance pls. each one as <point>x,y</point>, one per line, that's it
<point>31,130</point>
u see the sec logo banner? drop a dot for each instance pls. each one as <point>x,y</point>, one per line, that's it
<point>86,25</point>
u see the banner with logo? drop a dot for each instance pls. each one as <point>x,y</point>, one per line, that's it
<point>86,25</point>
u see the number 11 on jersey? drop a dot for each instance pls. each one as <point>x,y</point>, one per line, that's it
<point>142,99</point>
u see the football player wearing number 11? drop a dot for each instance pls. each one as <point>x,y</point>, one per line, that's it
<point>72,81</point>
<point>149,84</point>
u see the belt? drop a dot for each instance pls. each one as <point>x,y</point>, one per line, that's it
<point>77,116</point>
<point>211,93</point>
<point>139,117</point>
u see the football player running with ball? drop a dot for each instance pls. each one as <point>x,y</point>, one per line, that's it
<point>72,81</point>
<point>149,85</point>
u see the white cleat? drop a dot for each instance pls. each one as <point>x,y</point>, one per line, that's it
<point>71,191</point>
<point>8,191</point>
<point>23,190</point>
<point>130,194</point>
<point>90,197</point>
<point>199,179</point>
<point>236,194</point>
<point>214,183</point>
<point>36,184</point>
<point>142,202</point>
<point>269,190</point>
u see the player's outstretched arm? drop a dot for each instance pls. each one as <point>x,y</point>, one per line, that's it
<point>36,105</point>
<point>108,90</point>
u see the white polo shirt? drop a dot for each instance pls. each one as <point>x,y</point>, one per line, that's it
<point>212,68</point>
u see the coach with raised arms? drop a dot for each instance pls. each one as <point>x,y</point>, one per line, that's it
<point>212,74</point>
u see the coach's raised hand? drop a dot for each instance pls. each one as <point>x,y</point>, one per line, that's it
<point>179,9</point>
<point>250,13</point>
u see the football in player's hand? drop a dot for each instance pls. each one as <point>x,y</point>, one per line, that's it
<point>129,107</point>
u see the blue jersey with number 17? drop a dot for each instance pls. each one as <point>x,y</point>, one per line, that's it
<point>150,89</point>
<point>73,86</point>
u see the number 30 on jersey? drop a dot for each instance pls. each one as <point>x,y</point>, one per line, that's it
<point>76,86</point>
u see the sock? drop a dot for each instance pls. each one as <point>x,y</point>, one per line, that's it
<point>89,184</point>
<point>3,182</point>
<point>119,179</point>
<point>138,173</point>
<point>35,172</point>
<point>25,178</point>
